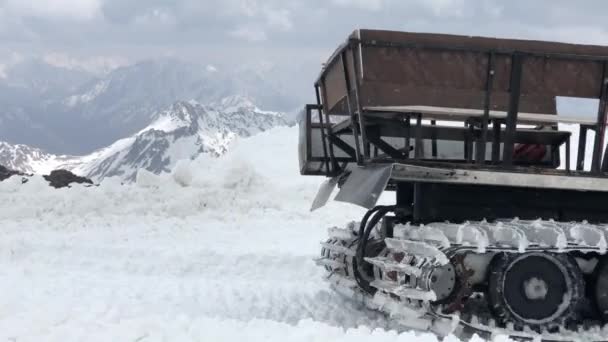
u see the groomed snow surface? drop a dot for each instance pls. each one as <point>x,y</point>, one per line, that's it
<point>220,250</point>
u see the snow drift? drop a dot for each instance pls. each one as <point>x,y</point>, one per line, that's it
<point>216,251</point>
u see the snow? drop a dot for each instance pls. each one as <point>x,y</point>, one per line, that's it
<point>166,123</point>
<point>236,103</point>
<point>182,174</point>
<point>215,251</point>
<point>421,249</point>
<point>588,235</point>
<point>29,159</point>
<point>535,288</point>
<point>86,164</point>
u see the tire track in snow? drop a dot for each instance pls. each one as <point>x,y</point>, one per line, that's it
<point>139,280</point>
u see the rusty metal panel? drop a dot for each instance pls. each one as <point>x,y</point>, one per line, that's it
<point>390,94</point>
<point>401,68</point>
<point>572,78</point>
<point>334,83</point>
<point>416,67</point>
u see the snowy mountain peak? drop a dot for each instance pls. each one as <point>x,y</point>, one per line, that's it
<point>180,114</point>
<point>28,159</point>
<point>184,130</point>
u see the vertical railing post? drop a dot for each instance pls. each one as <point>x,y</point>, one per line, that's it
<point>434,139</point>
<point>327,116</point>
<point>600,128</point>
<point>418,146</point>
<point>496,128</point>
<point>354,46</point>
<point>568,154</point>
<point>349,106</point>
<point>482,143</point>
<point>408,135</point>
<point>582,144</point>
<point>514,97</point>
<point>328,155</point>
<point>308,134</point>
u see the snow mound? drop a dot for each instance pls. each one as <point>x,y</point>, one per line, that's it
<point>258,176</point>
<point>221,249</point>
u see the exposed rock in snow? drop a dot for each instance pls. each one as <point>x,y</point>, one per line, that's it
<point>64,178</point>
<point>57,178</point>
<point>6,173</point>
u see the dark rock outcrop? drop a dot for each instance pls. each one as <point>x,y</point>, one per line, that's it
<point>6,173</point>
<point>63,178</point>
<point>57,179</point>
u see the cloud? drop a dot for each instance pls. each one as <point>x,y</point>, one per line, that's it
<point>437,7</point>
<point>282,31</point>
<point>278,19</point>
<point>372,5</point>
<point>446,7</point>
<point>55,9</point>
<point>95,65</point>
<point>250,34</point>
<point>155,17</point>
<point>9,60</point>
<point>294,35</point>
<point>12,58</point>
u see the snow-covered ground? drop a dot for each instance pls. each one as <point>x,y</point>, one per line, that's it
<point>220,250</point>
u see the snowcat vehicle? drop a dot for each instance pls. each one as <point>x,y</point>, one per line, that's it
<point>493,229</point>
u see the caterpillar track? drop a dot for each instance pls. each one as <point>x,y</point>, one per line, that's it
<point>450,278</point>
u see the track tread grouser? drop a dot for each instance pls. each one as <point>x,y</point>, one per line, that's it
<point>531,280</point>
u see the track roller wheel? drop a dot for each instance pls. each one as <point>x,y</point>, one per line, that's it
<point>539,290</point>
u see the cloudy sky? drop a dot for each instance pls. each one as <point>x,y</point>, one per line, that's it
<point>300,33</point>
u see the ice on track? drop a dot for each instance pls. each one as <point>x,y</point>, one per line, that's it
<point>588,235</point>
<point>510,235</point>
<point>547,234</point>
<point>219,250</point>
<point>423,233</point>
<point>421,249</point>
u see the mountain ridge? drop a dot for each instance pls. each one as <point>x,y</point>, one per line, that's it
<point>76,114</point>
<point>184,130</point>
